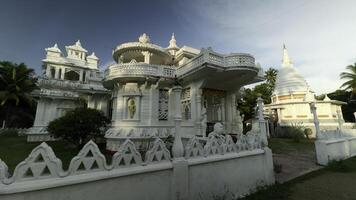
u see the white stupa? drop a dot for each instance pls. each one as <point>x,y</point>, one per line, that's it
<point>291,98</point>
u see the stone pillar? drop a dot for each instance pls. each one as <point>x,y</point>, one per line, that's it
<point>48,71</point>
<point>279,115</point>
<point>355,116</point>
<point>63,72</point>
<point>177,149</point>
<point>262,121</point>
<point>223,117</point>
<point>233,114</point>
<point>180,177</point>
<point>147,56</point>
<point>56,74</point>
<point>339,119</point>
<point>81,75</point>
<point>198,100</point>
<point>316,121</point>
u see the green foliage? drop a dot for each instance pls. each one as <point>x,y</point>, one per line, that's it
<point>247,103</point>
<point>308,132</point>
<point>349,108</point>
<point>17,81</point>
<point>294,132</point>
<point>344,166</point>
<point>275,192</point>
<point>14,149</point>
<point>79,125</point>
<point>271,76</point>
<point>350,77</point>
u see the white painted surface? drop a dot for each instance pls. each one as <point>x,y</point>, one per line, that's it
<point>236,172</point>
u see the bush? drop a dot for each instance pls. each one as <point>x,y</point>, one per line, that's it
<point>308,132</point>
<point>294,132</point>
<point>79,125</point>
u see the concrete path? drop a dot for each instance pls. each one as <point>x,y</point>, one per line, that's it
<point>295,164</point>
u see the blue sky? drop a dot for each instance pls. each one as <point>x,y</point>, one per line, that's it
<point>320,34</point>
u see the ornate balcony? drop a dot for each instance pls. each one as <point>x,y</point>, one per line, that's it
<point>234,61</point>
<point>129,70</point>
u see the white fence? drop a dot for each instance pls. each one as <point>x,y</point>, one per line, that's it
<point>220,167</point>
<point>335,145</point>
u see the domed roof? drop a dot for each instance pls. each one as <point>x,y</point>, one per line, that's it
<point>288,79</point>
<point>144,44</point>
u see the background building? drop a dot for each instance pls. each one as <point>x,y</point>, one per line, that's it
<point>291,97</point>
<point>67,82</point>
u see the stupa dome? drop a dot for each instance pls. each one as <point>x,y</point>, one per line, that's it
<point>288,79</point>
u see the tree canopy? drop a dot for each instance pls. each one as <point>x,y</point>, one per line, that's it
<point>350,77</point>
<point>17,81</point>
<point>79,125</point>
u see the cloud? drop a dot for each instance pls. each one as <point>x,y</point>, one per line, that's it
<point>320,35</point>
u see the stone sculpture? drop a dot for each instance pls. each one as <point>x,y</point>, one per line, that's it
<point>131,108</point>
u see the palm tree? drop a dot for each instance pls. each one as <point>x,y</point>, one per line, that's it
<point>17,81</point>
<point>271,76</point>
<point>350,77</point>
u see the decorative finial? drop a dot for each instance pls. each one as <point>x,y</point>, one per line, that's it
<point>173,42</point>
<point>78,43</point>
<point>144,38</point>
<point>55,45</point>
<point>286,62</point>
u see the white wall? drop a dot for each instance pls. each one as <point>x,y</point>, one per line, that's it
<point>212,171</point>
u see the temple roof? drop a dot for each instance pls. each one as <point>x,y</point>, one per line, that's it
<point>77,46</point>
<point>288,79</point>
<point>143,44</point>
<point>54,49</point>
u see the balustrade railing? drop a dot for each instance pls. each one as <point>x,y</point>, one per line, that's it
<point>208,56</point>
<point>139,69</point>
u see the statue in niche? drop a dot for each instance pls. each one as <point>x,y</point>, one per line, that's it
<point>204,120</point>
<point>218,133</point>
<point>131,107</point>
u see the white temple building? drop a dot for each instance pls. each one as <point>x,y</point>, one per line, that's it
<point>145,84</point>
<point>67,82</point>
<point>146,79</point>
<point>291,98</point>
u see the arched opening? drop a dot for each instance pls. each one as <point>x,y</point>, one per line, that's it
<point>53,72</point>
<point>71,75</point>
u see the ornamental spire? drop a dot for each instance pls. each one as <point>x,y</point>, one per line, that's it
<point>173,42</point>
<point>286,62</point>
<point>78,43</point>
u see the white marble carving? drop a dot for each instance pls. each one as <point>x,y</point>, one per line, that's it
<point>126,156</point>
<point>194,148</point>
<point>158,153</point>
<point>4,173</point>
<point>213,147</point>
<point>89,159</point>
<point>229,145</point>
<point>42,163</point>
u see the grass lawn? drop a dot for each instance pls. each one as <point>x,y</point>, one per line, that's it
<point>288,146</point>
<point>334,182</point>
<point>14,149</point>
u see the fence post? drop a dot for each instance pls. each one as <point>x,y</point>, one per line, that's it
<point>316,121</point>
<point>262,121</point>
<point>180,186</point>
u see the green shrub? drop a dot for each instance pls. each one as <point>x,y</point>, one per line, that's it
<point>8,132</point>
<point>294,132</point>
<point>79,126</point>
<point>308,132</point>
